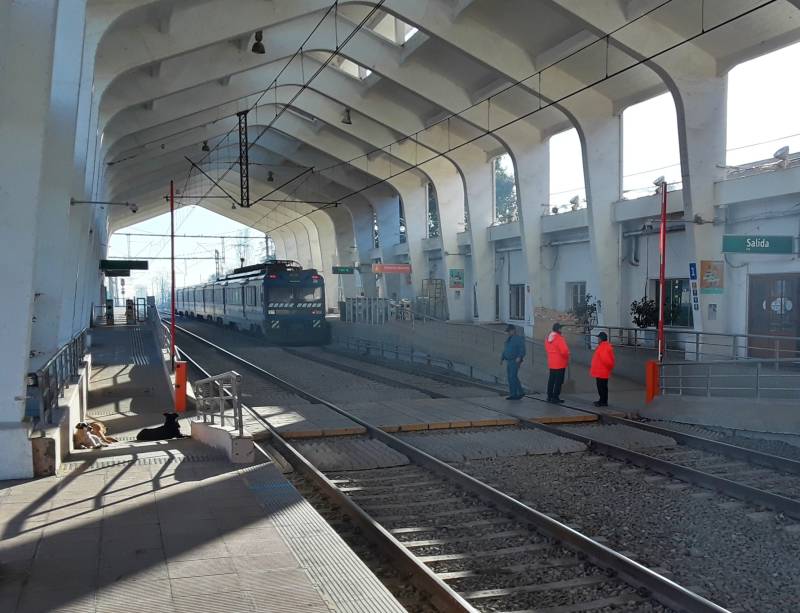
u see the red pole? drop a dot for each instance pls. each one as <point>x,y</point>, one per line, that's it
<point>172,266</point>
<point>662,281</point>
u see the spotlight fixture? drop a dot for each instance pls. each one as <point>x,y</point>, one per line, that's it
<point>258,46</point>
<point>270,177</point>
<point>782,153</point>
<point>346,118</point>
<point>659,181</point>
<point>575,201</point>
<point>205,146</point>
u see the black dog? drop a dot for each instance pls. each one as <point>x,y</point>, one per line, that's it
<point>170,429</point>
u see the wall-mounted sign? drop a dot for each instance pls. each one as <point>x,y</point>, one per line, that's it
<point>457,278</point>
<point>712,279</point>
<point>693,286</point>
<point>751,243</point>
<point>123,265</point>
<point>404,269</point>
<point>343,270</point>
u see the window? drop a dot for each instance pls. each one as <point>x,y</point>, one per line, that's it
<point>567,189</point>
<point>376,239</point>
<point>576,295</point>
<point>250,296</point>
<point>308,294</point>
<point>403,232</point>
<point>678,306</point>
<point>761,117</point>
<point>434,225</point>
<point>233,295</point>
<point>516,304</point>
<point>645,123</point>
<point>506,209</point>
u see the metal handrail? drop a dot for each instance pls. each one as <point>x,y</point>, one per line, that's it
<point>214,394</point>
<point>701,346</point>
<point>707,381</point>
<point>410,354</point>
<point>47,384</point>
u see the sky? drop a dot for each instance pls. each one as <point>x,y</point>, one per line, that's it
<point>761,115</point>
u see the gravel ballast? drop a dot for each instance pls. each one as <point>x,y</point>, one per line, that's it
<point>740,559</point>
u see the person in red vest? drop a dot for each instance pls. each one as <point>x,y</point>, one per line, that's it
<point>557,360</point>
<point>602,365</point>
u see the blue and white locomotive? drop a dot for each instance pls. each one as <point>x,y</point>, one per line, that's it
<point>279,299</point>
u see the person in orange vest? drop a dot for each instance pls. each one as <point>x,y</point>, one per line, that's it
<point>602,365</point>
<point>557,360</point>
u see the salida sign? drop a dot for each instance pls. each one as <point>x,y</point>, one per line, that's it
<point>732,243</point>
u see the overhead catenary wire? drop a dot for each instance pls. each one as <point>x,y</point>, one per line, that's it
<point>559,100</point>
<point>550,104</point>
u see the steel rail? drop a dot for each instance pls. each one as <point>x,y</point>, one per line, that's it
<point>752,456</point>
<point>441,594</point>
<point>659,587</point>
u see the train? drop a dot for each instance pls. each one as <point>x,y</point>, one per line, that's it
<point>278,299</point>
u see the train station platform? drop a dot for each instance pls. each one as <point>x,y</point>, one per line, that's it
<point>167,525</point>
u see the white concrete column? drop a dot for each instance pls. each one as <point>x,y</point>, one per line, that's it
<point>59,226</point>
<point>415,203</point>
<point>27,38</point>
<point>599,130</point>
<point>531,157</point>
<point>701,104</point>
<point>480,201</point>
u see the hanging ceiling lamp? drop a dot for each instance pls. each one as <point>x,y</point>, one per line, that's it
<point>258,46</point>
<point>346,118</point>
<point>270,177</point>
<point>205,146</point>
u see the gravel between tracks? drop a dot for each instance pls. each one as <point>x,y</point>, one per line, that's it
<point>739,562</point>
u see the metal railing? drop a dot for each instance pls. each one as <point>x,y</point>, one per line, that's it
<point>47,384</point>
<point>686,344</point>
<point>159,328</point>
<point>741,378</point>
<point>409,353</point>
<point>219,394</point>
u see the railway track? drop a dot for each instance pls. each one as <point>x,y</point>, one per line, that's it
<point>467,545</point>
<point>747,474</point>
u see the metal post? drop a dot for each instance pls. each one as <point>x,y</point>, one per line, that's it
<point>662,282</point>
<point>696,346</point>
<point>758,380</point>
<point>172,268</point>
<point>708,381</point>
<point>244,163</point>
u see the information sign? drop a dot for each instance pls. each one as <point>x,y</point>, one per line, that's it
<point>404,269</point>
<point>751,243</point>
<point>457,278</point>
<point>117,273</point>
<point>123,265</point>
<point>343,270</point>
<point>693,285</point>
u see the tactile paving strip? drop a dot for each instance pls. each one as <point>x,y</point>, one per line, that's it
<point>336,571</point>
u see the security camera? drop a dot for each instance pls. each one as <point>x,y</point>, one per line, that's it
<point>782,153</point>
<point>574,200</point>
<point>133,207</point>
<point>659,181</point>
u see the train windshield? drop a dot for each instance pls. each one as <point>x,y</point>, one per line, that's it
<point>294,294</point>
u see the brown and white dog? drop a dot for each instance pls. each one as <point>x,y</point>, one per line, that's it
<point>83,438</point>
<point>98,428</point>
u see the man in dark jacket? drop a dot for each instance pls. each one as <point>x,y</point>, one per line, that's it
<point>513,354</point>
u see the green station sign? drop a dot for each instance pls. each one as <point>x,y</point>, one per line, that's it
<point>123,264</point>
<point>753,243</point>
<point>343,270</point>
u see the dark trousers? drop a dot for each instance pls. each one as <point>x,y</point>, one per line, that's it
<point>514,386</point>
<point>602,389</point>
<point>554,383</point>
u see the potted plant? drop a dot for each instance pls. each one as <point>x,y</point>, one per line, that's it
<point>585,314</point>
<point>644,313</point>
